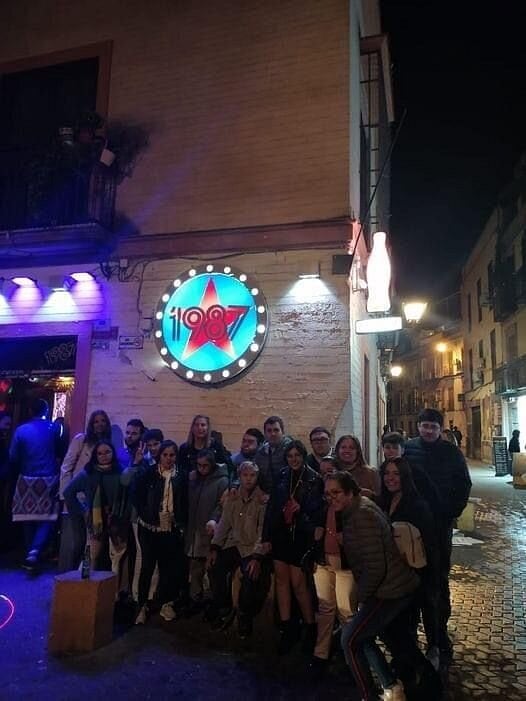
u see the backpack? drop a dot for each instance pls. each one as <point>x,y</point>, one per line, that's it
<point>410,544</point>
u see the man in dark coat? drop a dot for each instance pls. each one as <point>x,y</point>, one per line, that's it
<point>446,467</point>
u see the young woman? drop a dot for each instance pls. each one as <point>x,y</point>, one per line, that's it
<point>385,586</point>
<point>159,494</point>
<point>349,454</point>
<point>98,495</point>
<point>335,585</point>
<point>73,529</point>
<point>200,438</point>
<point>206,486</point>
<point>401,501</point>
<point>294,512</point>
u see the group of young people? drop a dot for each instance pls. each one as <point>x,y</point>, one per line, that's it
<point>194,528</point>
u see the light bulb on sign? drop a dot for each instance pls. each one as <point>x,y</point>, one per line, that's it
<point>378,276</point>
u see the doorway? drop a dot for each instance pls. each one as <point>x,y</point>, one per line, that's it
<point>476,435</point>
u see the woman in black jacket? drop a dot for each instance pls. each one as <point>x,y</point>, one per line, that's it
<point>401,502</point>
<point>294,512</point>
<point>201,437</point>
<point>160,497</point>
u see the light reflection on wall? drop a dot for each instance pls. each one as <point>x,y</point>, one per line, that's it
<point>309,289</point>
<point>84,301</point>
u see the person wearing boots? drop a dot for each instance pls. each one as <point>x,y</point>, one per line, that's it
<point>295,517</point>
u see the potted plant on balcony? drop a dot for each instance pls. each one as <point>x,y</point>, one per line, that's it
<point>124,144</point>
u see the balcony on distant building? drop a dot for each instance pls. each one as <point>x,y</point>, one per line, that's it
<point>55,202</point>
<point>511,376</point>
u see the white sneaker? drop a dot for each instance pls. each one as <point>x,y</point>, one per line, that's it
<point>141,616</point>
<point>394,693</point>
<point>168,612</point>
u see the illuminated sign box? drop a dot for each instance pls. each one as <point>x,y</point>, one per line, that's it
<point>379,324</point>
<point>211,324</point>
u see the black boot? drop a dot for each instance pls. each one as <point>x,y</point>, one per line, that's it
<point>289,636</point>
<point>310,635</point>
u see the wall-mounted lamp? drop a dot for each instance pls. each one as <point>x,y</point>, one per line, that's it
<point>309,272</point>
<point>396,370</point>
<point>414,311</point>
<point>441,347</point>
<point>24,281</point>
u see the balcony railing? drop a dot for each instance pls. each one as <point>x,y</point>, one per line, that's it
<point>42,188</point>
<point>511,376</point>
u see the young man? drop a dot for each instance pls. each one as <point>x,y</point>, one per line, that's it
<point>132,439</point>
<point>445,465</point>
<point>33,458</point>
<point>270,458</point>
<point>250,443</point>
<point>236,544</point>
<point>320,441</point>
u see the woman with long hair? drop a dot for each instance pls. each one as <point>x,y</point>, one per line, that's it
<point>201,437</point>
<point>98,496</point>
<point>349,454</point>
<point>294,513</point>
<point>73,529</point>
<point>160,497</point>
<point>403,504</point>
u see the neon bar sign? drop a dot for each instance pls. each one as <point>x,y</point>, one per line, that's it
<point>211,324</point>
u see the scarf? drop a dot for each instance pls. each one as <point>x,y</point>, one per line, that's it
<point>99,507</point>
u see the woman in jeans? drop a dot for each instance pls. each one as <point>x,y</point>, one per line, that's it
<point>385,587</point>
<point>160,497</point>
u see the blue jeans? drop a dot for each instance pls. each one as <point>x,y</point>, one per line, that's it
<point>359,642</point>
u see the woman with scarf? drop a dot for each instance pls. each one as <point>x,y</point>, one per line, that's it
<point>73,530</point>
<point>97,494</point>
<point>201,437</point>
<point>294,513</point>
<point>159,493</point>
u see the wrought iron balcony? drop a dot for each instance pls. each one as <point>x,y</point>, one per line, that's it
<point>53,201</point>
<point>511,376</point>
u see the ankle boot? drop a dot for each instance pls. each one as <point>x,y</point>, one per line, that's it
<point>288,637</point>
<point>310,635</point>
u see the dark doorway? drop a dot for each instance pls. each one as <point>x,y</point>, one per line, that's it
<point>476,448</point>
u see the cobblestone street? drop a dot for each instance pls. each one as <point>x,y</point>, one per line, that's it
<point>488,586</point>
<point>186,661</point>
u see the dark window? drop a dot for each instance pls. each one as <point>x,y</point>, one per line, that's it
<point>481,349</point>
<point>511,343</point>
<point>491,284</point>
<point>469,313</point>
<point>493,349</point>
<point>470,362</point>
<point>479,299</point>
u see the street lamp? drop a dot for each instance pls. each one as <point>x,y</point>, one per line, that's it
<point>396,370</point>
<point>441,347</point>
<point>414,311</point>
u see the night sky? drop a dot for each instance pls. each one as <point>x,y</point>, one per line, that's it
<point>459,69</point>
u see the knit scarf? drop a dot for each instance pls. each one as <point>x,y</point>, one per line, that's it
<point>100,505</point>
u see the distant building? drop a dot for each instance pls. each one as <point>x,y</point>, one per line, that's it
<point>431,377</point>
<point>494,323</point>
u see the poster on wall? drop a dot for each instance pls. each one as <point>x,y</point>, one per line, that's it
<point>211,324</point>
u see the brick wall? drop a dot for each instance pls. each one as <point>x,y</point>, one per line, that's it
<point>248,103</point>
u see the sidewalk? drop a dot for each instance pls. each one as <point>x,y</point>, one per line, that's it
<point>187,662</point>
<point>488,585</point>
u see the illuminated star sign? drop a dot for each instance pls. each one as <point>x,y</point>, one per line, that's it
<point>210,322</point>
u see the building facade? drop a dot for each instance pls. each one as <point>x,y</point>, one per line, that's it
<point>494,323</point>
<point>254,136</point>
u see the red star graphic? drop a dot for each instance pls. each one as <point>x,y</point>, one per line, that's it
<point>211,323</point>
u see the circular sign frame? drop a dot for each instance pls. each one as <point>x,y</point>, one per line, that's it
<point>211,324</point>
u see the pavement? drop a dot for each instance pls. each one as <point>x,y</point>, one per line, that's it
<point>184,660</point>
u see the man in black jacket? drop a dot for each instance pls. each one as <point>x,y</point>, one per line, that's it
<point>446,467</point>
